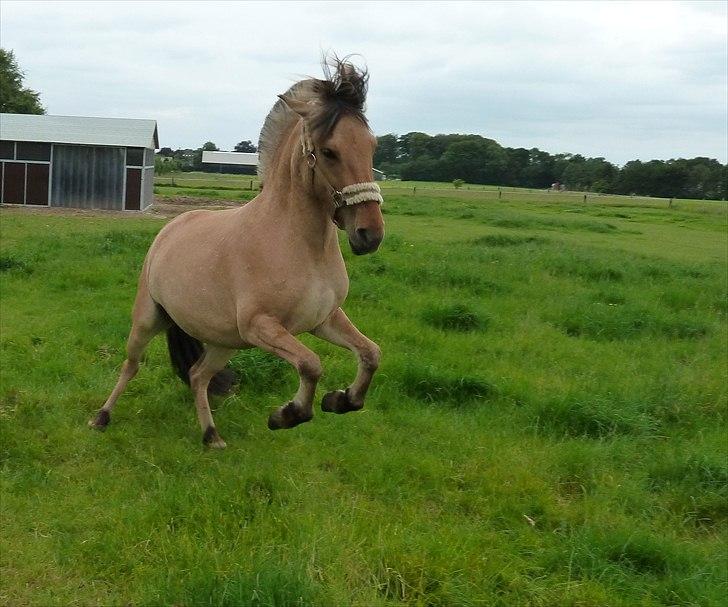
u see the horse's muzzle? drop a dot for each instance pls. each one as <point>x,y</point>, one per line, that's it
<point>365,241</point>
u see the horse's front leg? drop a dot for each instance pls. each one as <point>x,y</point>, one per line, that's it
<point>339,330</point>
<point>270,335</point>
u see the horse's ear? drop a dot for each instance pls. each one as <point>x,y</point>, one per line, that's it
<point>302,108</point>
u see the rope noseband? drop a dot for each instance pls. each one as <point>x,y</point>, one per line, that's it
<point>356,193</point>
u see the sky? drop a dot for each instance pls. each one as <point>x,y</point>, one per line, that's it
<point>621,80</point>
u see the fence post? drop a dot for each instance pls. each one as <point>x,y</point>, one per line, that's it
<point>585,198</point>
<point>670,203</point>
<point>251,185</point>
<point>500,193</point>
<point>414,190</point>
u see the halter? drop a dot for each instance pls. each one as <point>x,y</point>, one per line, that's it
<point>356,193</point>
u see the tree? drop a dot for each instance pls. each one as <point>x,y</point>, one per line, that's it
<point>14,98</point>
<point>166,152</point>
<point>413,146</point>
<point>245,146</point>
<point>387,149</point>
<point>208,146</point>
<point>475,161</point>
<point>166,164</point>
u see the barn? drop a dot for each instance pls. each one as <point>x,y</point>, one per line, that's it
<point>244,163</point>
<point>77,161</point>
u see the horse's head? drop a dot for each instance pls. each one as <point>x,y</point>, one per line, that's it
<point>338,149</point>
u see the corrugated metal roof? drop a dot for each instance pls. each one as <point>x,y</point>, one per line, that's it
<point>244,158</point>
<point>80,130</point>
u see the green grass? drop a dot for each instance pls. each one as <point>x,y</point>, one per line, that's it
<point>548,426</point>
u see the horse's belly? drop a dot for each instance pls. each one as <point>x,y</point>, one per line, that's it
<point>312,308</point>
<point>208,323</point>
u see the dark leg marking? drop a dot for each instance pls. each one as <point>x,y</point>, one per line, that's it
<point>288,416</point>
<point>102,420</point>
<point>210,435</point>
<point>339,402</point>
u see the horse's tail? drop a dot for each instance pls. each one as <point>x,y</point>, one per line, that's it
<point>185,351</point>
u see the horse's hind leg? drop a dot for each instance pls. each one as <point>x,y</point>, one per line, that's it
<point>214,360</point>
<point>148,319</point>
<point>339,330</point>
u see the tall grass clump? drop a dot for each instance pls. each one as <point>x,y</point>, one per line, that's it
<point>455,317</point>
<point>13,264</point>
<point>428,384</point>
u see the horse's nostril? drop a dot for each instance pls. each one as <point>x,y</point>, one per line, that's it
<point>363,234</point>
<point>368,240</point>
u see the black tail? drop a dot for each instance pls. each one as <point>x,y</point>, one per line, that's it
<point>185,351</point>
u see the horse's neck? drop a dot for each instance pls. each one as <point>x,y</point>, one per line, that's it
<point>292,201</point>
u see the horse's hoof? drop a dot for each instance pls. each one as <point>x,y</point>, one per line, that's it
<point>287,416</point>
<point>100,421</point>
<point>339,402</point>
<point>212,439</point>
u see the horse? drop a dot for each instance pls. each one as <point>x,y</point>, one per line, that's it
<point>263,273</point>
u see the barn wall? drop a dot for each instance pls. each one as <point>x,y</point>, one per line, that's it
<point>76,176</point>
<point>13,190</point>
<point>87,177</point>
<point>148,187</point>
<point>148,179</point>
<point>24,172</point>
<point>133,189</point>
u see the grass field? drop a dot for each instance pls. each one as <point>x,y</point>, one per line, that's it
<point>548,426</point>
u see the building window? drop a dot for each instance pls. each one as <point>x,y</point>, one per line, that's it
<point>134,157</point>
<point>34,151</point>
<point>7,150</point>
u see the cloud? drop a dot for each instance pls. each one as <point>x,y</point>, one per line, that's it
<point>620,80</point>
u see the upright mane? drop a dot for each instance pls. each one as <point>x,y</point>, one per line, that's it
<point>342,91</point>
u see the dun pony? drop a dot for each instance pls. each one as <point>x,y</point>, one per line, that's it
<point>261,274</point>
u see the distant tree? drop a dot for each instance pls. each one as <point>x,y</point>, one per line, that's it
<point>245,146</point>
<point>387,149</point>
<point>458,183</point>
<point>208,146</point>
<point>166,152</point>
<point>590,174</point>
<point>166,164</point>
<point>475,159</point>
<point>413,146</point>
<point>14,98</point>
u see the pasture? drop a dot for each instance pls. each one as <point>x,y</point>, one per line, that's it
<point>547,427</point>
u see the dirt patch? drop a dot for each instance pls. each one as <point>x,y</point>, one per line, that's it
<point>164,206</point>
<point>171,206</point>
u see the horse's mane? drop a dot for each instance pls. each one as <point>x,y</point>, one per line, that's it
<point>342,91</point>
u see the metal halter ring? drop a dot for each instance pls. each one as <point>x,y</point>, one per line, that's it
<point>311,160</point>
<point>338,197</point>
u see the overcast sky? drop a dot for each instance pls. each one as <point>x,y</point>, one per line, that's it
<point>620,80</point>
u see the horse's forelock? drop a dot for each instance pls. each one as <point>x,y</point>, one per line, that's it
<point>342,92</point>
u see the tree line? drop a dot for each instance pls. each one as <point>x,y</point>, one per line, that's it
<point>476,159</point>
<point>469,158</point>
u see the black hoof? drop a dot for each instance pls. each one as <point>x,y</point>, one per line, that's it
<point>287,416</point>
<point>212,439</point>
<point>339,402</point>
<point>101,420</point>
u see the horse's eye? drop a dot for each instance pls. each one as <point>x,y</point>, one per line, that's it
<point>328,153</point>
